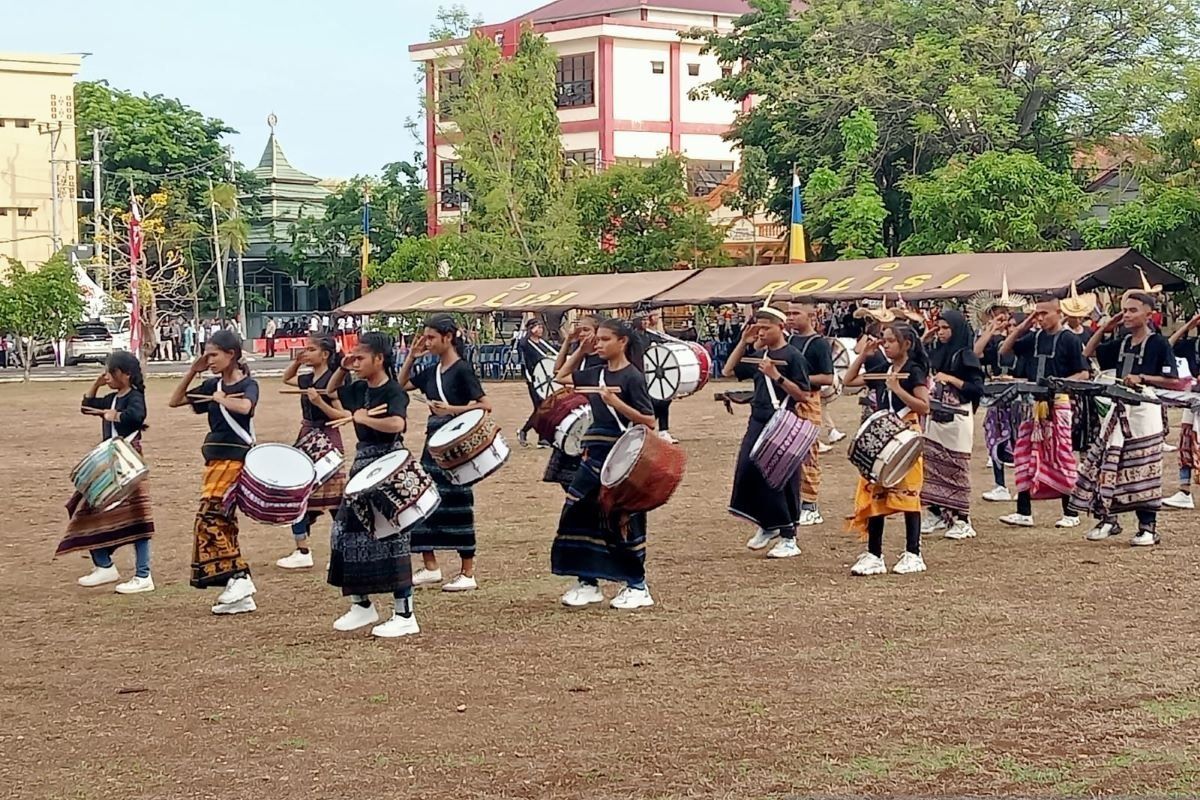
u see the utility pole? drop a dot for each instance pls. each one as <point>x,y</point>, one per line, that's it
<point>97,204</point>
<point>241,273</point>
<point>55,133</point>
<point>220,267</point>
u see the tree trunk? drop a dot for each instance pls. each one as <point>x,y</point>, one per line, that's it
<point>28,357</point>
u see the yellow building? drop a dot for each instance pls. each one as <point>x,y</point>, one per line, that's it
<point>37,140</point>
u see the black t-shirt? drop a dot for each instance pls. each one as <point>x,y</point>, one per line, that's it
<point>459,386</point>
<point>996,364</point>
<point>307,410</point>
<point>223,443</point>
<point>532,352</point>
<point>634,394</point>
<point>359,394</point>
<point>1152,357</point>
<point>132,408</point>
<point>816,351</point>
<point>762,407</point>
<point>917,376</point>
<point>1065,354</point>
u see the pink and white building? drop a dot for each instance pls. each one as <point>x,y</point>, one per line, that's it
<point>624,79</point>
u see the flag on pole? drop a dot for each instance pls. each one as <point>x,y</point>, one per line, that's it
<point>135,257</point>
<point>366,241</point>
<point>798,249</point>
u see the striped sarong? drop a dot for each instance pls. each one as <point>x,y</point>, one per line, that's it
<point>91,528</point>
<point>873,500</point>
<point>810,471</point>
<point>216,554</point>
<point>1046,466</point>
<point>358,562</point>
<point>1123,469</point>
<point>1189,444</point>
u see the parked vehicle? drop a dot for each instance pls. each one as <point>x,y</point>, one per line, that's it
<point>91,341</point>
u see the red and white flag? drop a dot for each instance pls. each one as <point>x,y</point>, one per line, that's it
<point>135,257</point>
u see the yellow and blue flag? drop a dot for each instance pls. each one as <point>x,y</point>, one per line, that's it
<point>798,249</point>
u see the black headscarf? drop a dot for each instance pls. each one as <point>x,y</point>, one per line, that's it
<point>957,356</point>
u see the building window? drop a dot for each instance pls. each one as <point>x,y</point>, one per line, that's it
<point>657,67</point>
<point>3,212</point>
<point>449,81</point>
<point>581,158</point>
<point>704,176</point>
<point>22,123</point>
<point>694,70</point>
<point>452,185</point>
<point>575,81</point>
<point>726,72</point>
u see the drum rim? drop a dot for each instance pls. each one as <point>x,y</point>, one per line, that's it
<point>433,440</point>
<point>637,432</point>
<point>349,490</point>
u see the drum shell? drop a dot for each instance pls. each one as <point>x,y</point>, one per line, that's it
<point>109,473</point>
<point>326,458</point>
<point>884,448</point>
<point>467,446</point>
<point>656,473</point>
<point>397,501</point>
<point>568,435</point>
<point>264,500</point>
<point>554,409</point>
<point>784,445</point>
<point>688,360</point>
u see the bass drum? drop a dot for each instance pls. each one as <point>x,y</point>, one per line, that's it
<point>843,355</point>
<point>676,369</point>
<point>543,378</point>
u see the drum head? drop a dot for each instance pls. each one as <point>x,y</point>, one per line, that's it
<point>456,428</point>
<point>543,378</point>
<point>377,472</point>
<point>623,456</point>
<point>663,372</point>
<point>280,466</point>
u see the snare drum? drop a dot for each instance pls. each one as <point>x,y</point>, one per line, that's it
<point>392,493</point>
<point>641,471</point>
<point>275,484</point>
<point>563,418</point>
<point>676,369</point>
<point>468,447</point>
<point>109,473</point>
<point>785,443</point>
<point>884,449</point>
<point>326,458</point>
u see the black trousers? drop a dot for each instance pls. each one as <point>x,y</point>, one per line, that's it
<point>662,413</point>
<point>270,347</point>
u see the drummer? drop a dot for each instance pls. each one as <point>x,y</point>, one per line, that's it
<point>818,366</point>
<point>1049,352</point>
<point>1001,420</point>
<point>533,349</point>
<point>452,388</point>
<point>1184,347</point>
<point>316,409</point>
<point>908,397</point>
<point>592,544</point>
<point>1131,437</point>
<point>102,531</point>
<point>360,564</point>
<point>784,385</point>
<point>648,325</point>
<point>229,400</point>
<point>561,468</point>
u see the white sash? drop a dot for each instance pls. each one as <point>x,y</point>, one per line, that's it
<point>113,425</point>
<point>612,410</point>
<point>437,375</point>
<point>242,433</point>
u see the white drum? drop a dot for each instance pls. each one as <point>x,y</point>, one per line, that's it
<point>392,494</point>
<point>469,447</point>
<point>275,484</point>
<point>544,384</point>
<point>568,436</point>
<point>673,370</point>
<point>843,356</point>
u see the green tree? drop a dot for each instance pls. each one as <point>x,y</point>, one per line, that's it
<point>641,219</point>
<point>40,305</point>
<point>754,190</point>
<point>993,203</point>
<point>845,207</point>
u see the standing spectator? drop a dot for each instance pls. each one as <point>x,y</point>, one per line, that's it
<point>326,326</point>
<point>164,340</point>
<point>189,341</point>
<point>269,333</point>
<point>314,325</point>
<point>176,338</point>
<point>341,326</point>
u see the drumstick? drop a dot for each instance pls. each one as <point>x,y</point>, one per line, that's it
<point>753,360</point>
<point>327,393</point>
<point>597,389</point>
<point>192,396</point>
<point>377,411</point>
<point>93,411</point>
<point>882,376</point>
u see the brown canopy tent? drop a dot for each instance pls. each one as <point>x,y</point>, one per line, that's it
<point>520,294</point>
<point>921,277</point>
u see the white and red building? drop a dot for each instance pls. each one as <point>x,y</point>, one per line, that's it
<point>624,79</point>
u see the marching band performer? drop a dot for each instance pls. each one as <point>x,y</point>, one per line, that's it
<point>1184,347</point>
<point>908,397</point>
<point>647,324</point>
<point>561,468</point>
<point>950,438</point>
<point>229,400</point>
<point>359,563</point>
<point>1049,352</point>
<point>1001,420</point>
<point>533,349</point>
<point>774,511</point>
<point>102,531</point>
<point>1123,469</point>
<point>818,364</point>
<point>452,388</point>
<point>591,544</point>
<point>316,409</point>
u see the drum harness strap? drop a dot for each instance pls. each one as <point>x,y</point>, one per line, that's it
<point>242,433</point>
<point>612,410</point>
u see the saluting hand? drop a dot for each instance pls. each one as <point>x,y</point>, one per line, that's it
<point>1114,323</point>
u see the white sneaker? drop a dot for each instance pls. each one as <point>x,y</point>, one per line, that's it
<point>869,564</point>
<point>823,448</point>
<point>582,594</point>
<point>999,494</point>
<point>296,560</point>
<point>629,599</point>
<point>396,627</point>
<point>357,617</point>
<point>243,606</point>
<point>930,523</point>
<point>989,463</point>
<point>1180,499</point>
<point>810,516</point>
<point>908,564</point>
<point>787,548</point>
<point>427,577</point>
<point>1144,539</point>
<point>236,589</point>
<point>1068,521</point>
<point>761,539</point>
<point>961,529</point>
<point>835,436</point>
<point>1020,520</point>
<point>100,576</point>
<point>463,583</point>
<point>667,437</point>
<point>1168,448</point>
<point>136,585</point>
<point>1102,531</point>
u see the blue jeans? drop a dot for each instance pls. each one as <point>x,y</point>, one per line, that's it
<point>102,557</point>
